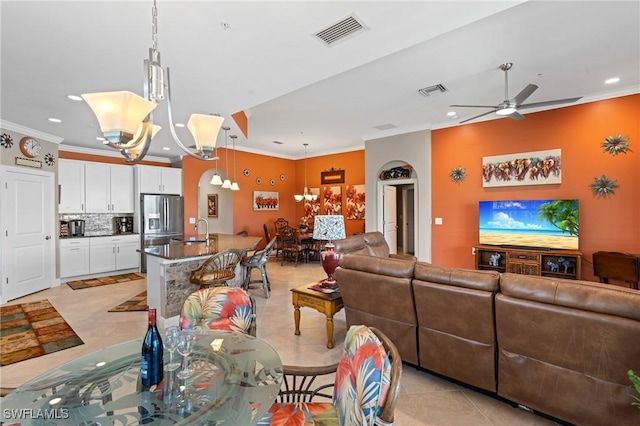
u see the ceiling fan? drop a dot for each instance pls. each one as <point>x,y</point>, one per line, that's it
<point>511,107</point>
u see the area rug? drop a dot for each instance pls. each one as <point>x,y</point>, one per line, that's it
<point>29,330</point>
<point>136,303</point>
<point>111,279</point>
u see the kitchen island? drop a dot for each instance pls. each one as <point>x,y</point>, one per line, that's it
<point>170,265</point>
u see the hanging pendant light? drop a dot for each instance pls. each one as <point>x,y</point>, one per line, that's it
<point>305,193</point>
<point>126,118</point>
<point>216,179</point>
<point>227,182</point>
<point>234,185</point>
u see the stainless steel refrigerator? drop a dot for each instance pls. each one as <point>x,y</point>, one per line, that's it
<point>162,219</point>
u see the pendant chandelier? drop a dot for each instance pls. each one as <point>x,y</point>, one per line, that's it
<point>216,179</point>
<point>227,182</point>
<point>305,193</point>
<point>126,118</point>
<point>234,184</point>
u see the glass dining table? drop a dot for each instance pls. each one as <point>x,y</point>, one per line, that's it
<point>236,379</point>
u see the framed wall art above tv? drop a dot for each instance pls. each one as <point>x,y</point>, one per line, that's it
<point>527,168</point>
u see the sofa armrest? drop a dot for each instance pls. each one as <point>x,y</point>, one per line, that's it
<point>378,265</point>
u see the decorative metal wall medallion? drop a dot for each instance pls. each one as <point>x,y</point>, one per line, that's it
<point>246,172</point>
<point>616,144</point>
<point>258,180</point>
<point>49,159</point>
<point>458,175</point>
<point>603,186</point>
<point>6,140</point>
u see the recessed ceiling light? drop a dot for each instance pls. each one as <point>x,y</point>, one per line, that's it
<point>74,98</point>
<point>612,80</point>
<point>54,120</point>
<point>451,114</point>
<point>179,125</point>
<point>166,149</point>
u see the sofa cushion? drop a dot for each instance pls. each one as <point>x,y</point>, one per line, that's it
<point>376,244</point>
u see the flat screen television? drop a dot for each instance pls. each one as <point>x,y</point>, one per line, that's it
<point>543,224</point>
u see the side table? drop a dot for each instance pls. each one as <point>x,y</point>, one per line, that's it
<point>326,303</point>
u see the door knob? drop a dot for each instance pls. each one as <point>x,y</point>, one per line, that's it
<point>47,237</point>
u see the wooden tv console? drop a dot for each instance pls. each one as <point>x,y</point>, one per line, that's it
<point>546,263</point>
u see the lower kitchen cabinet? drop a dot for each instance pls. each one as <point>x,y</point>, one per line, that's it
<point>113,253</point>
<point>74,257</point>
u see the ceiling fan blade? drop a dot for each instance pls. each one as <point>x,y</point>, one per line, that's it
<point>475,106</point>
<point>547,103</point>
<point>524,94</point>
<point>478,116</point>
<point>516,116</point>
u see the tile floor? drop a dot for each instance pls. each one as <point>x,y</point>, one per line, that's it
<point>424,400</point>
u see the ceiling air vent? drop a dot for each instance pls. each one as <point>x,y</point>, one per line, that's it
<point>428,91</point>
<point>385,126</point>
<point>341,30</point>
<point>277,142</point>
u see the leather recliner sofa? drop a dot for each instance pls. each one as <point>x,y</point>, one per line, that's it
<point>558,347</point>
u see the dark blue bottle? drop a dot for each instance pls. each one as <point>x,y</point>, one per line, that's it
<point>151,368</point>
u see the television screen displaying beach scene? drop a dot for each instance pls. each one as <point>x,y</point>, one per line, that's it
<point>551,224</point>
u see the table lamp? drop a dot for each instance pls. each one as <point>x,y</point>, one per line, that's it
<point>328,228</point>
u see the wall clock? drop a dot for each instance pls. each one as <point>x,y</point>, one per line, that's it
<point>30,147</point>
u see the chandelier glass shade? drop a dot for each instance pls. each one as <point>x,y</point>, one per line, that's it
<point>306,195</point>
<point>126,119</point>
<point>227,182</point>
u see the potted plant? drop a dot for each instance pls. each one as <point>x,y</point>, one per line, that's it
<point>636,384</point>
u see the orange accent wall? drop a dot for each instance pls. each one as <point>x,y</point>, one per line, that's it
<point>610,224</point>
<point>242,121</point>
<point>267,168</point>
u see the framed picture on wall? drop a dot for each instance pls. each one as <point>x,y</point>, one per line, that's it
<point>265,200</point>
<point>212,205</point>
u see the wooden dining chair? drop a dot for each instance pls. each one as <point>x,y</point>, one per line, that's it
<point>364,392</point>
<point>280,223</point>
<point>292,248</point>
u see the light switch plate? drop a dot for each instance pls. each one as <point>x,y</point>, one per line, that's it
<point>192,220</point>
<point>438,221</point>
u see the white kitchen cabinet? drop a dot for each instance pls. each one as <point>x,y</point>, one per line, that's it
<point>72,192</point>
<point>114,253</point>
<point>74,257</point>
<point>159,180</point>
<point>108,188</point>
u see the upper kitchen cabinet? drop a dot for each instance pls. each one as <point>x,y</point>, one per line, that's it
<point>71,181</point>
<point>108,188</point>
<point>159,180</point>
<point>89,187</point>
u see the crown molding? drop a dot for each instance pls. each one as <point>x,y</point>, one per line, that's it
<point>30,132</point>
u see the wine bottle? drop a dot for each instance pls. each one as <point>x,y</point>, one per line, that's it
<point>151,368</point>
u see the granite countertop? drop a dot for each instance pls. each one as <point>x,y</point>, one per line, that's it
<point>112,234</point>
<point>217,243</point>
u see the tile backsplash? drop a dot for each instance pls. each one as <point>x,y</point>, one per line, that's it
<point>95,223</point>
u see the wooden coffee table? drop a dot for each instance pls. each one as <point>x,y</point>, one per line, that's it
<point>326,303</point>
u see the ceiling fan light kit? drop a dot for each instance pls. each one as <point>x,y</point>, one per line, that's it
<point>510,108</point>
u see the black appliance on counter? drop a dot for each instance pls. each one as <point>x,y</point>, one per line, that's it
<point>76,228</point>
<point>123,224</point>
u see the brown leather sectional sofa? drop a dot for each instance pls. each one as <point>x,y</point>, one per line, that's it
<point>558,347</point>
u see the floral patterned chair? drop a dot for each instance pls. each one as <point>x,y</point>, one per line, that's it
<point>219,308</point>
<point>365,389</point>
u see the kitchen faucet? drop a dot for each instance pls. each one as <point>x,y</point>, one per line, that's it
<point>206,224</point>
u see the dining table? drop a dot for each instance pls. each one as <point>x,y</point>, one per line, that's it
<point>236,378</point>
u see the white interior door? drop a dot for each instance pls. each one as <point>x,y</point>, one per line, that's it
<point>28,243</point>
<point>390,218</point>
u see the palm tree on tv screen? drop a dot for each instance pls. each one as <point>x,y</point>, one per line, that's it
<point>563,214</point>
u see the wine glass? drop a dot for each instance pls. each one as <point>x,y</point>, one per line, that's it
<point>186,340</point>
<point>171,335</point>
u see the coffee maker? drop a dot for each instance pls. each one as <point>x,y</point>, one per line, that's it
<point>123,224</point>
<point>76,228</point>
